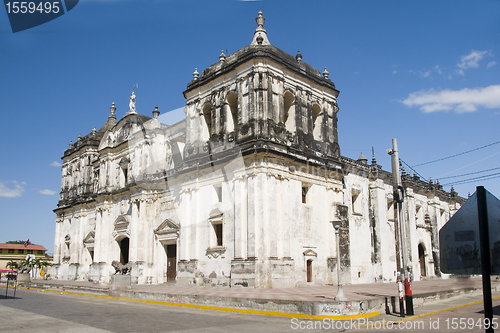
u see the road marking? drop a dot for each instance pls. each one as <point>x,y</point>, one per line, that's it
<point>217,308</point>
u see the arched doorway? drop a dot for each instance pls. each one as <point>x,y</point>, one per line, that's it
<point>124,244</point>
<point>421,259</point>
<point>309,271</point>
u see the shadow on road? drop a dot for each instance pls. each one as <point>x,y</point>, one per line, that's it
<point>496,310</point>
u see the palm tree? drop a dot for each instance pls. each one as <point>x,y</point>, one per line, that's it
<point>12,264</point>
<point>27,263</point>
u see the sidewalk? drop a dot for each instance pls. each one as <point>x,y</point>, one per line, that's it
<point>363,299</point>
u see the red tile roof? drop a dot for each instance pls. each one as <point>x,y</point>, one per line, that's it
<point>22,247</point>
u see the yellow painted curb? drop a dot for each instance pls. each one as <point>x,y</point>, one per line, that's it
<point>218,308</point>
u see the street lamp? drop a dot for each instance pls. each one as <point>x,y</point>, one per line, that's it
<point>340,293</point>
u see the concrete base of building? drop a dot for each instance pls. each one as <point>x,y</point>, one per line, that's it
<point>363,300</point>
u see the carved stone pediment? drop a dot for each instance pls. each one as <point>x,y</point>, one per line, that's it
<point>121,229</point>
<point>88,241</point>
<point>310,253</point>
<point>124,162</point>
<point>168,231</point>
<point>215,215</point>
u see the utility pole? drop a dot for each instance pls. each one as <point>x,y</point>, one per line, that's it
<point>401,246</point>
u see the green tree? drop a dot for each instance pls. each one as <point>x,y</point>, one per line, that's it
<point>37,265</point>
<point>18,242</point>
<point>12,264</point>
<point>27,262</point>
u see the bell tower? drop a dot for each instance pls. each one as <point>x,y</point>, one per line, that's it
<point>261,95</point>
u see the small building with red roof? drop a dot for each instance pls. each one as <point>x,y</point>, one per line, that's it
<point>18,252</point>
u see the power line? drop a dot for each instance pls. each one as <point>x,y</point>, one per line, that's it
<point>465,152</point>
<point>464,181</point>
<point>415,171</point>
<point>471,181</point>
<point>470,173</point>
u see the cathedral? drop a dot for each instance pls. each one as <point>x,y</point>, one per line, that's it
<point>243,191</point>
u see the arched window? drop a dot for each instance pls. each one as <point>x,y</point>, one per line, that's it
<point>317,116</point>
<point>421,259</point>
<point>232,116</point>
<point>289,119</point>
<point>207,117</point>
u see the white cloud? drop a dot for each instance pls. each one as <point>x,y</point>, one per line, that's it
<point>394,71</point>
<point>460,101</point>
<point>47,192</point>
<point>11,192</point>
<point>428,72</point>
<point>425,74</point>
<point>491,64</point>
<point>470,61</point>
<point>56,164</point>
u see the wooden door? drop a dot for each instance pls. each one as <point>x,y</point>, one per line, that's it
<point>309,271</point>
<point>171,262</point>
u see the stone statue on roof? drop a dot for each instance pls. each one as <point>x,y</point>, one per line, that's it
<point>131,103</point>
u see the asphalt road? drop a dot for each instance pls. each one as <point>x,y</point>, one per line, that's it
<point>36,311</point>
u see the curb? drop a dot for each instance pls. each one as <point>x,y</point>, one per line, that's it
<point>215,308</point>
<point>272,307</point>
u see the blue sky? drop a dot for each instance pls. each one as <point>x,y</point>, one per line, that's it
<point>424,72</point>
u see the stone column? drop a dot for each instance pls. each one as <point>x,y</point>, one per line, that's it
<point>279,217</point>
<point>252,223</point>
<point>196,217</point>
<point>185,225</point>
<point>270,198</point>
<point>58,241</point>
<point>378,216</point>
<point>411,231</point>
<point>240,218</point>
<point>98,238</point>
<point>434,216</point>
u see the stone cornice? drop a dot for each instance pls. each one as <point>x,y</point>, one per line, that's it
<point>261,51</point>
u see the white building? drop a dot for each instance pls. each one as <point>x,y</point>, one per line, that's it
<point>241,192</point>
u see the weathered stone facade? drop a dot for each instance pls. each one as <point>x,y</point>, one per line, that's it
<point>240,193</point>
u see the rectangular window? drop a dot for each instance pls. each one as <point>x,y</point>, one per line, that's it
<point>11,250</point>
<point>125,175</point>
<point>418,214</point>
<point>390,210</point>
<point>20,251</point>
<point>218,192</point>
<point>218,233</point>
<point>216,239</point>
<point>0,250</point>
<point>30,251</point>
<point>40,252</point>
<point>356,202</point>
<point>305,189</point>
